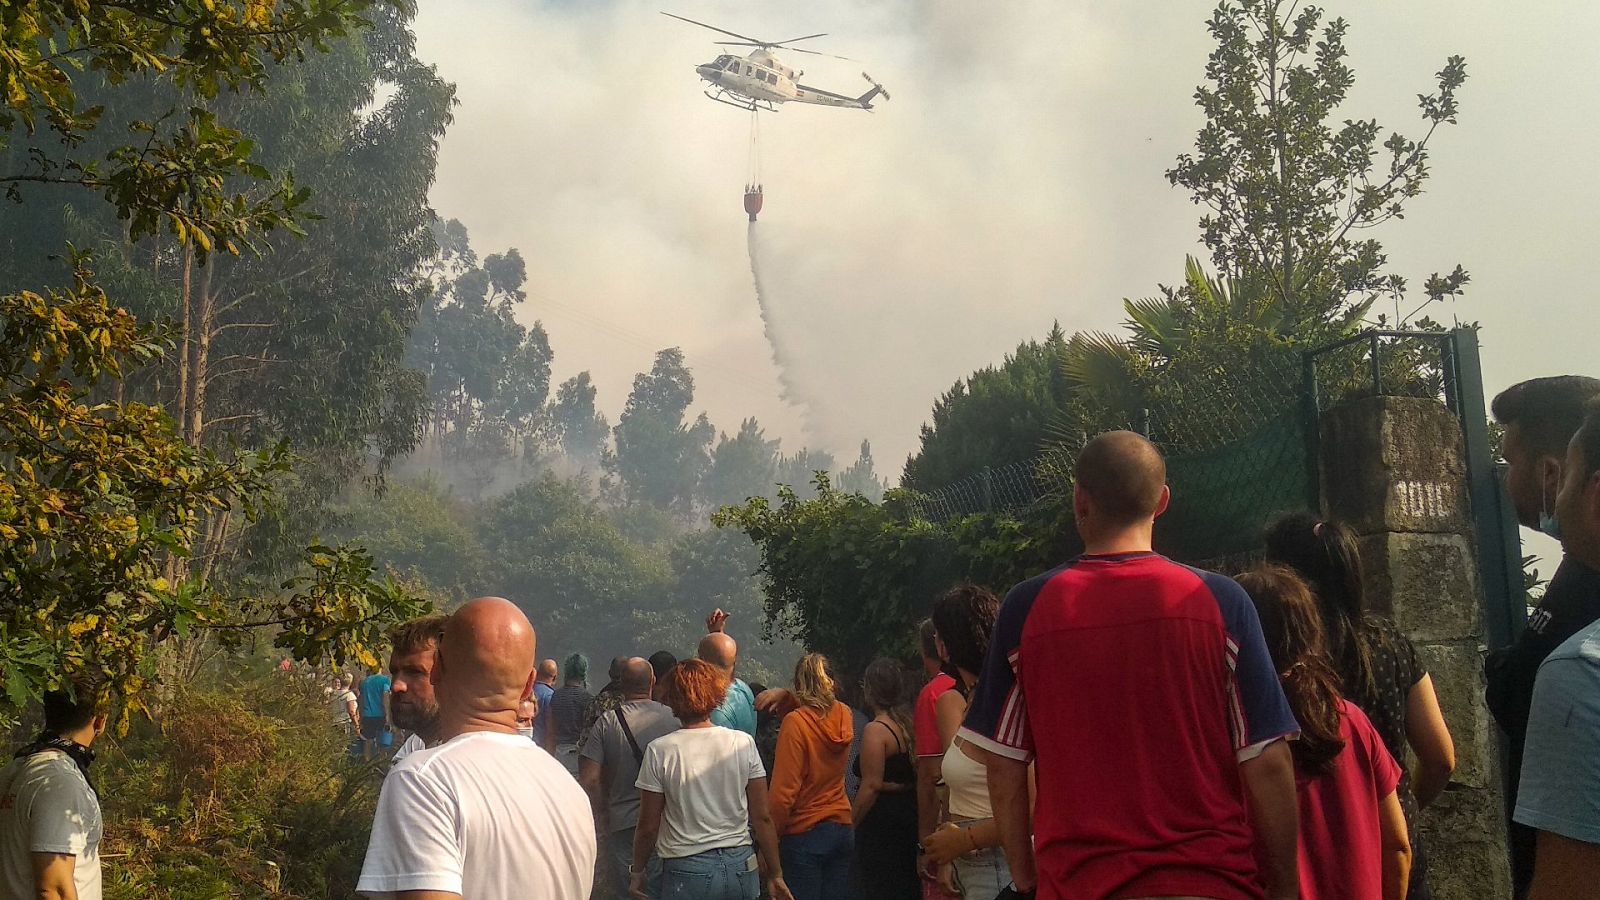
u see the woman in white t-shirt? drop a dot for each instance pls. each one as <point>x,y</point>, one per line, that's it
<point>703,791</point>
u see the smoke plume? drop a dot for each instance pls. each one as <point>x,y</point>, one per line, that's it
<point>791,392</point>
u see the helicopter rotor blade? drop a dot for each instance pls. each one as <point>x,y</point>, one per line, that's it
<point>798,39</point>
<point>742,37</point>
<point>741,44</point>
<point>816,53</point>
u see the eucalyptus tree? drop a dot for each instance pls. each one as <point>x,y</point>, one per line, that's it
<point>102,495</point>
<point>660,456</point>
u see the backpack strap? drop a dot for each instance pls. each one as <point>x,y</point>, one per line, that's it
<point>638,755</point>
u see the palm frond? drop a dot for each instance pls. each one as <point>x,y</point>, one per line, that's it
<point>1157,325</point>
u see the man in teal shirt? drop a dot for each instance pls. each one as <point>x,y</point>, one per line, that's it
<point>738,709</point>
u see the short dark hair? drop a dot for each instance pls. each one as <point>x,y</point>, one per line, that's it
<point>417,634</point>
<point>1124,474</point>
<point>1588,439</point>
<point>74,704</point>
<point>1547,411</point>
<point>662,662</point>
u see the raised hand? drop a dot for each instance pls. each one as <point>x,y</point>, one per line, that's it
<point>717,622</point>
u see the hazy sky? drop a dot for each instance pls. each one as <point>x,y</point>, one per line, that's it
<point>1015,178</point>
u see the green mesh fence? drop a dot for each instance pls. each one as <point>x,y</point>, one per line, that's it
<point>1235,435</point>
<point>1236,459</point>
<point>1223,498</point>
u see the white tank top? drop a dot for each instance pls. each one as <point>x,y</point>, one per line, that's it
<point>968,783</point>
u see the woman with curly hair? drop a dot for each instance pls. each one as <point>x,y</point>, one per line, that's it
<point>1353,843</point>
<point>703,791</point>
<point>1377,666</point>
<point>967,847</point>
<point>808,801</point>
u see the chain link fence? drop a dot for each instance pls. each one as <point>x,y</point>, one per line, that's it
<point>1239,438</point>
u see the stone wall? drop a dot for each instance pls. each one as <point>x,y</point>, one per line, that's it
<point>1394,469</point>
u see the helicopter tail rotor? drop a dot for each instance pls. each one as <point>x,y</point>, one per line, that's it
<point>877,90</point>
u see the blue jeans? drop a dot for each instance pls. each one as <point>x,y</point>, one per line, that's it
<point>982,874</point>
<point>816,863</point>
<point>728,874</point>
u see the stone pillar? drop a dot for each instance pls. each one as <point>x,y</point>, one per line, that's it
<point>1394,470</point>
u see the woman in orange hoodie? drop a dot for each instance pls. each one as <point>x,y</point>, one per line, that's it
<point>809,806</point>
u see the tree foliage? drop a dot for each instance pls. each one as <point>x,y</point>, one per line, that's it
<point>660,456</point>
<point>861,476</point>
<point>1291,192</point>
<point>303,341</point>
<point>997,416</point>
<point>177,172</point>
<point>594,578</point>
<point>742,466</point>
<point>99,499</point>
<point>557,554</point>
<point>485,371</point>
<point>580,429</point>
<point>851,578</point>
<point>1289,187</point>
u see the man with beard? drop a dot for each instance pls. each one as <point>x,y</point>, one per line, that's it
<point>411,700</point>
<point>482,814</point>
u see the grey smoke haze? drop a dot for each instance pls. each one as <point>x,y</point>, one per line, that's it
<point>777,337</point>
<point>1014,179</point>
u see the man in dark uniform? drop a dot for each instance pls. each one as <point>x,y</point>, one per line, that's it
<point>1540,418</point>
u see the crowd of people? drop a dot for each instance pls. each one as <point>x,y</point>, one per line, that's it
<point>1123,726</point>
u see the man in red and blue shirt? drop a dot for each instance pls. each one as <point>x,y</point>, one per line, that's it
<point>1145,696</point>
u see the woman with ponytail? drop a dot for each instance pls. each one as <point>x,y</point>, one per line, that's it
<point>808,802</point>
<point>885,807</point>
<point>1377,665</point>
<point>1353,843</point>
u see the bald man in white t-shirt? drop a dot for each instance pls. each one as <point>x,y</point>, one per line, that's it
<point>485,814</point>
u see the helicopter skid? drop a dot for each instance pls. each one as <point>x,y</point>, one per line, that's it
<point>742,102</point>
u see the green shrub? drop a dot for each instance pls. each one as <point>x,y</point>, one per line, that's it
<point>242,789</point>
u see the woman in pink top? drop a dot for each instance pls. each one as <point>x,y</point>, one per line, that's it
<point>1353,843</point>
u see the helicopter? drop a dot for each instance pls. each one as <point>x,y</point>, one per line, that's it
<point>760,82</point>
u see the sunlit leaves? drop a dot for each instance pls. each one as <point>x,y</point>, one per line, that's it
<point>340,609</point>
<point>93,496</point>
<point>97,499</point>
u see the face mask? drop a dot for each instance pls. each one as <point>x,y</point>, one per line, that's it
<point>1548,523</point>
<point>526,732</point>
